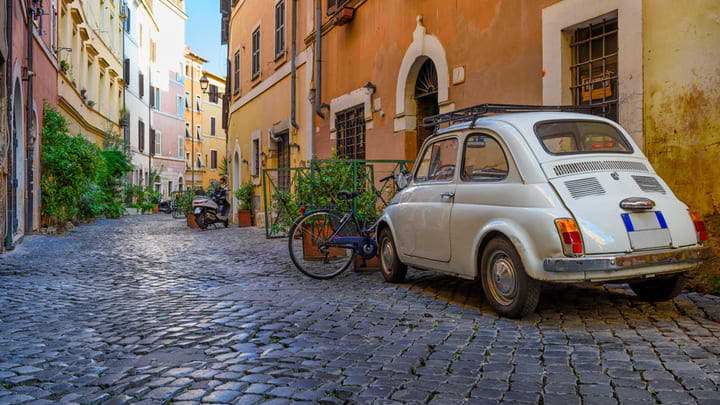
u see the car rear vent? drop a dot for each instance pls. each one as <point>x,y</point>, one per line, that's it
<point>649,184</point>
<point>584,187</point>
<point>598,166</point>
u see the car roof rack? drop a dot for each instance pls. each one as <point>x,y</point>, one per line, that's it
<point>481,110</point>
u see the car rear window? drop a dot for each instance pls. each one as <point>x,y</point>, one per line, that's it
<point>574,137</point>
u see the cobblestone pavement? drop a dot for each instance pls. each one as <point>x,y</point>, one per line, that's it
<point>145,310</point>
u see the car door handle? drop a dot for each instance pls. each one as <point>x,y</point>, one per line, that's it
<point>447,194</point>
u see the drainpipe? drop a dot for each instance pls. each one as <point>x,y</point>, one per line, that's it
<point>293,68</point>
<point>9,178</point>
<point>318,58</point>
<point>28,125</point>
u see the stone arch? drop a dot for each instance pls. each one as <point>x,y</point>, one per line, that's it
<point>17,151</point>
<point>423,47</point>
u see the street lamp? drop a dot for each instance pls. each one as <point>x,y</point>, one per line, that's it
<point>204,82</point>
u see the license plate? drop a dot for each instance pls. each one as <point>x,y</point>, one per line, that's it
<point>198,210</point>
<point>647,230</point>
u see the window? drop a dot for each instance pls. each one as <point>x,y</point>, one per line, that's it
<point>181,147</point>
<point>212,126</point>
<point>213,159</point>
<point>256,53</point>
<point>126,71</point>
<point>158,142</point>
<point>236,74</point>
<point>280,29</point>
<point>213,94</point>
<point>438,161</point>
<point>256,157</point>
<point>140,31</point>
<point>141,136</point>
<point>283,162</point>
<point>154,97</point>
<point>153,151</point>
<point>126,23</point>
<point>179,73</point>
<point>180,103</point>
<point>153,51</point>
<point>53,27</point>
<point>187,130</point>
<point>187,159</point>
<point>187,100</point>
<point>199,163</point>
<point>350,125</point>
<point>483,159</point>
<point>197,103</point>
<point>197,131</point>
<point>594,76</point>
<point>141,85</point>
<point>572,137</point>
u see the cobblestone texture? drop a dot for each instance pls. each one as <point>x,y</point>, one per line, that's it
<point>145,310</point>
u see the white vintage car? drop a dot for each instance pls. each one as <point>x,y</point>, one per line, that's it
<point>517,199</point>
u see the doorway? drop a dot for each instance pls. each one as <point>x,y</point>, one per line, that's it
<point>18,165</point>
<point>426,99</point>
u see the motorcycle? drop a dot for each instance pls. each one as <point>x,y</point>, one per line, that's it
<point>211,209</point>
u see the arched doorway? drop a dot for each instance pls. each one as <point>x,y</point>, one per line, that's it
<point>236,172</point>
<point>36,173</point>
<point>18,164</point>
<point>426,97</point>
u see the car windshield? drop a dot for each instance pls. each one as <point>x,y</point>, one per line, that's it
<point>574,137</point>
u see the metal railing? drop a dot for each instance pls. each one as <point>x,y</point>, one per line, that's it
<point>316,186</point>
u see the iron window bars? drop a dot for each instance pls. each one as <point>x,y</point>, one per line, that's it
<point>350,125</point>
<point>594,50</point>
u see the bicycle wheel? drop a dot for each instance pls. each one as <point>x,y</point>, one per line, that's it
<point>176,213</point>
<point>308,245</point>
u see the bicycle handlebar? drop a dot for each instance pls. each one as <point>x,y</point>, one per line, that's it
<point>384,179</point>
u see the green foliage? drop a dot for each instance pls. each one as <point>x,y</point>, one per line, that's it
<point>245,195</point>
<point>223,167</point>
<point>184,201</point>
<point>154,197</point>
<point>70,165</point>
<point>319,188</point>
<point>78,179</point>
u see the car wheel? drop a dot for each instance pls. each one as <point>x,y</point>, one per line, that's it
<point>393,270</point>
<point>659,289</point>
<point>508,289</point>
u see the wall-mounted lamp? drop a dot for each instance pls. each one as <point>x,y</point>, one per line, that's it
<point>263,154</point>
<point>245,161</point>
<point>27,74</point>
<point>204,82</point>
<point>295,145</point>
<point>370,86</point>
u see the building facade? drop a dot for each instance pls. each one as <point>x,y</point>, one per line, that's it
<point>194,162</point>
<point>167,95</point>
<point>650,65</point>
<point>4,74</point>
<point>31,74</point>
<point>213,134</point>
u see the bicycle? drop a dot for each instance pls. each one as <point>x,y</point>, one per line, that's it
<point>323,242</point>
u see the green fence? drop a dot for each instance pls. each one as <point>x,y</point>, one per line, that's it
<point>287,190</point>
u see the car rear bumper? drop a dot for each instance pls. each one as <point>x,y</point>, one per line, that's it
<point>663,259</point>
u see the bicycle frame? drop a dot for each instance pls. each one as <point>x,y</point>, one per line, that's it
<point>364,244</point>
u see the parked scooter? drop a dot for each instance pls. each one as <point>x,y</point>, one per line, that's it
<point>212,209</point>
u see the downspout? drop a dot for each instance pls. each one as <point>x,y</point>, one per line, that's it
<point>29,114</point>
<point>8,162</point>
<point>318,59</point>
<point>293,68</point>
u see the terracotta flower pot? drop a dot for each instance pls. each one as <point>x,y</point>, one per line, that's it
<point>155,209</point>
<point>191,221</point>
<point>244,218</point>
<point>310,249</point>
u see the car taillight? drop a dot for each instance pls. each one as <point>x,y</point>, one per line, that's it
<point>569,236</point>
<point>699,226</point>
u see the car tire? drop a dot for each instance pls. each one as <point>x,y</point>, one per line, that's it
<point>393,270</point>
<point>659,289</point>
<point>508,289</point>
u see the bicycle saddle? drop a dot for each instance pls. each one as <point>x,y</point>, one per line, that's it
<point>347,195</point>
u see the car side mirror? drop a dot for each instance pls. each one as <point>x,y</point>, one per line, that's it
<point>402,179</point>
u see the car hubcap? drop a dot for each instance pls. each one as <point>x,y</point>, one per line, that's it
<point>387,256</point>
<point>502,279</point>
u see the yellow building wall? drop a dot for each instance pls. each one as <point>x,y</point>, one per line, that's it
<point>210,142</point>
<point>682,105</point>
<point>194,118</point>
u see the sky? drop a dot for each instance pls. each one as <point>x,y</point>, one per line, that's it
<point>202,33</point>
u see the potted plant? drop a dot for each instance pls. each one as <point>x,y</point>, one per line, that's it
<point>124,117</point>
<point>154,198</point>
<point>65,66</point>
<point>185,201</point>
<point>245,195</point>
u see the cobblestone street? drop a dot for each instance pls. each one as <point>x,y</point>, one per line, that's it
<point>143,309</point>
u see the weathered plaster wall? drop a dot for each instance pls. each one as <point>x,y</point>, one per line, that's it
<point>682,103</point>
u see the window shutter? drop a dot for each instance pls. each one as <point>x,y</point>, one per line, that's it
<point>141,136</point>
<point>181,146</point>
<point>126,71</point>
<point>152,141</point>
<point>152,98</point>
<point>212,125</point>
<point>224,29</point>
<point>141,85</point>
<point>213,159</point>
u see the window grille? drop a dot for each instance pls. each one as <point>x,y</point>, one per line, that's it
<point>284,162</point>
<point>350,125</point>
<point>594,70</point>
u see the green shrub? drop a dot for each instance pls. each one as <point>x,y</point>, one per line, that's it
<point>245,195</point>
<point>70,165</point>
